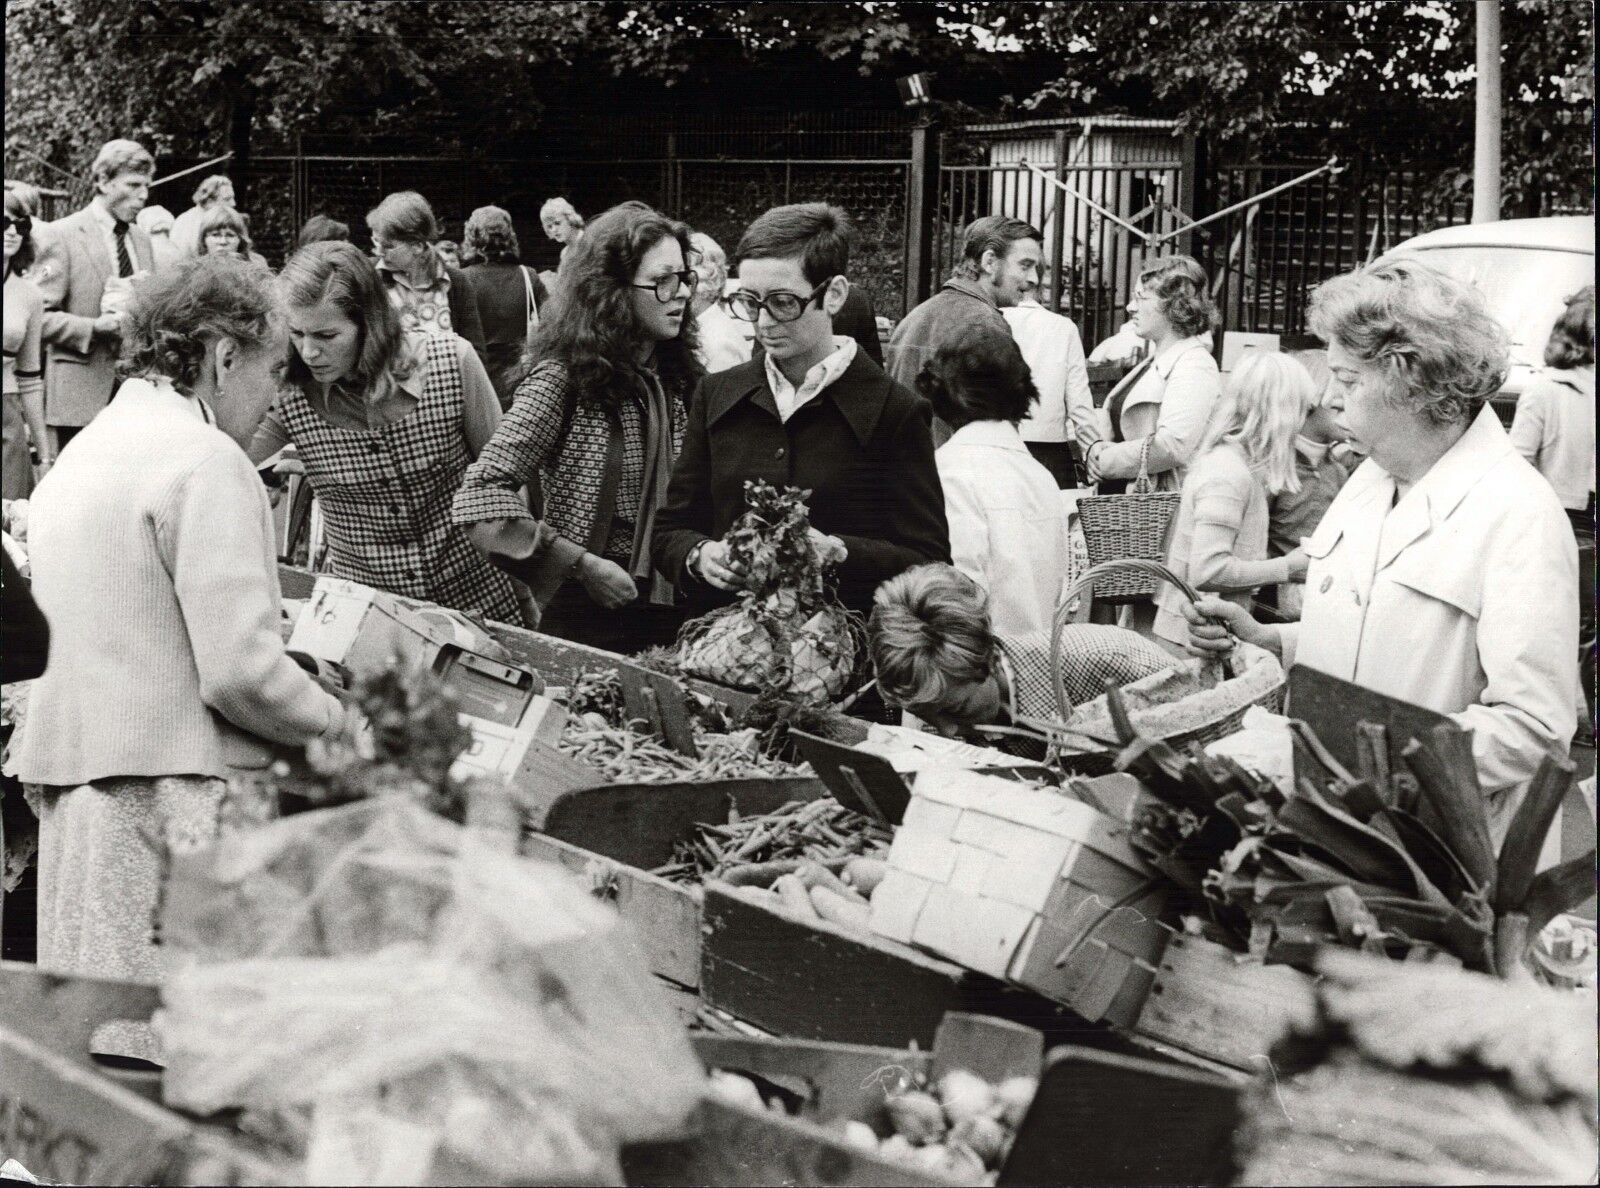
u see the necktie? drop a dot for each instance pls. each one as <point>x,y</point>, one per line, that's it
<point>124,261</point>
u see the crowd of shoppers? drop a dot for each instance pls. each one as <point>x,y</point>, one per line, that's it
<point>568,451</point>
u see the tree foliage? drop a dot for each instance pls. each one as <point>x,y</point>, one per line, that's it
<point>1378,78</point>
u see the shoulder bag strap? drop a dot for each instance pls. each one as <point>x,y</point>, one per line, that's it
<point>532,307</point>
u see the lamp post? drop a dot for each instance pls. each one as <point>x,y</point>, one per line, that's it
<point>916,92</point>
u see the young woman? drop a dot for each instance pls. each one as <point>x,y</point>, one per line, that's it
<point>385,425</point>
<point>938,656</point>
<point>224,230</point>
<point>430,294</point>
<point>152,558</point>
<point>1168,399</point>
<point>24,367</point>
<point>1008,526</point>
<point>597,422</point>
<point>1247,456</point>
<point>562,223</point>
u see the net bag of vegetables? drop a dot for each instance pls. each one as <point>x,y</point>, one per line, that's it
<point>786,633</point>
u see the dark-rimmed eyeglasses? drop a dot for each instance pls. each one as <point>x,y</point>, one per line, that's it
<point>780,306</point>
<point>666,287</point>
<point>24,225</point>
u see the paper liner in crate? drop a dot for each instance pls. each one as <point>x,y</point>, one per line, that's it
<point>1027,885</point>
<point>397,988</point>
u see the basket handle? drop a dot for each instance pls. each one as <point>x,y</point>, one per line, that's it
<point>1063,614</point>
<point>1143,484</point>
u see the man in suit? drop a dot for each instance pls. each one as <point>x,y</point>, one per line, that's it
<point>85,268</point>
<point>814,412</point>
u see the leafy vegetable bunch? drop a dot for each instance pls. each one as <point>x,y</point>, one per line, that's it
<point>1398,863</point>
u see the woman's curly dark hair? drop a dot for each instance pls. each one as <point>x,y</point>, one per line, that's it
<point>979,375</point>
<point>176,314</point>
<point>1180,284</point>
<point>492,236</point>
<point>591,328</point>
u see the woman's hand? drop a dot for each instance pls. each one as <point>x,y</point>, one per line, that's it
<point>713,566</point>
<point>606,582</point>
<point>1215,623</point>
<point>1299,563</point>
<point>1091,462</point>
<point>288,463</point>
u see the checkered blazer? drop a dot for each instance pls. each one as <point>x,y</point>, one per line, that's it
<point>386,495</point>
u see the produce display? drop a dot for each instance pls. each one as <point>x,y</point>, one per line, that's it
<point>960,1126</point>
<point>600,734</point>
<point>1392,862</point>
<point>1428,1075</point>
<point>785,633</point>
<point>755,850</point>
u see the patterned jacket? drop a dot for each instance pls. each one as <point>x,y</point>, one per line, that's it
<point>563,442</point>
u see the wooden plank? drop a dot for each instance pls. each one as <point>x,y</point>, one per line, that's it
<point>1207,1001</point>
<point>68,1124</point>
<point>842,1080</point>
<point>663,917</point>
<point>1103,1118</point>
<point>1332,708</point>
<point>860,781</point>
<point>736,1145</point>
<point>639,824</point>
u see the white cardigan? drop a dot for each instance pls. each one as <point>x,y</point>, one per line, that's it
<point>151,546</point>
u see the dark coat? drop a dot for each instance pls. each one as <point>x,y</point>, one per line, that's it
<point>861,447</point>
<point>464,318</point>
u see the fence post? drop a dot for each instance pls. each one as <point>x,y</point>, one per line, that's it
<point>1058,220</point>
<point>1192,199</point>
<point>922,196</point>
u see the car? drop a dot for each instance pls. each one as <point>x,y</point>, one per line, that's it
<point>1525,268</point>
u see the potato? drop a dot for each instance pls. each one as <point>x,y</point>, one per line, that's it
<point>983,1136</point>
<point>1016,1095</point>
<point>965,1095</point>
<point>917,1116</point>
<point>860,1136</point>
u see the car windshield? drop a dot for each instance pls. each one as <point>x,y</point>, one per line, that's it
<point>1525,287</point>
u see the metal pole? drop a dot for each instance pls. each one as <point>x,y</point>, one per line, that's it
<point>1486,142</point>
<point>921,211</point>
<point>1069,190</point>
<point>1332,163</point>
<point>161,181</point>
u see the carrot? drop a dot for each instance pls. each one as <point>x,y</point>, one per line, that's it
<point>760,874</point>
<point>836,909</point>
<point>814,874</point>
<point>792,892</point>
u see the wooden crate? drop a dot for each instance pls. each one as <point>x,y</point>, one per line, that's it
<point>1211,1001</point>
<point>815,980</point>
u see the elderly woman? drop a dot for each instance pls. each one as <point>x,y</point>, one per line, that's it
<point>1160,409</point>
<point>938,656</point>
<point>1008,525</point>
<point>722,343</point>
<point>212,192</point>
<point>510,296</point>
<point>430,295</point>
<point>1444,573</point>
<point>152,555</point>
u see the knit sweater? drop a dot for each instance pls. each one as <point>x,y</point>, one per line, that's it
<point>1219,538</point>
<point>152,556</point>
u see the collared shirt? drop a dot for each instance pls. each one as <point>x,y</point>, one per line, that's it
<point>393,399</point>
<point>1008,524</point>
<point>425,308</point>
<point>1461,598</point>
<point>790,399</point>
<point>722,343</point>
<point>1053,351</point>
<point>1170,404</point>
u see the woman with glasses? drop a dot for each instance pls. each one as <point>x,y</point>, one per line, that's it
<point>597,422</point>
<point>24,369</point>
<point>814,412</point>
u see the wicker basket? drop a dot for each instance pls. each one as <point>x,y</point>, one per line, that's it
<point>1254,677</point>
<point>1128,527</point>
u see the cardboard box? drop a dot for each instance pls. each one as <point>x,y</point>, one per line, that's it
<point>1027,885</point>
<point>362,629</point>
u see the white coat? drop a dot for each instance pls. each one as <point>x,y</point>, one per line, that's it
<point>1462,598</point>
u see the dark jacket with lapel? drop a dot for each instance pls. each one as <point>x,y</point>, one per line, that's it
<point>861,447</point>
